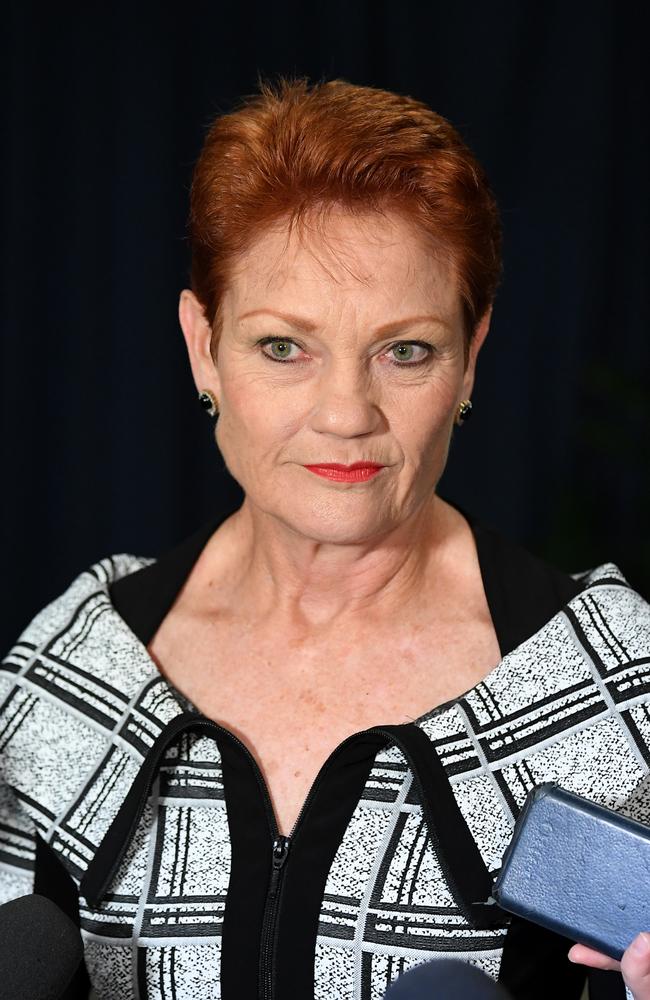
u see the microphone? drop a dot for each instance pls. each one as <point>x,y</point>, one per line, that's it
<point>40,949</point>
<point>445,979</point>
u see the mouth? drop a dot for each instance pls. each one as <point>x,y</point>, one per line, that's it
<point>358,472</point>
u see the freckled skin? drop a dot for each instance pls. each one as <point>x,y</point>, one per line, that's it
<point>323,608</point>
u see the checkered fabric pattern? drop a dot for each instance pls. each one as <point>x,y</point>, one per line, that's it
<point>81,703</point>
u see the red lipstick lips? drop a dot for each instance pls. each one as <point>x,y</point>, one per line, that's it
<point>358,472</point>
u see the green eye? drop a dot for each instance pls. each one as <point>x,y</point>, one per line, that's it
<point>277,349</point>
<point>403,352</point>
<point>280,348</point>
<point>411,353</point>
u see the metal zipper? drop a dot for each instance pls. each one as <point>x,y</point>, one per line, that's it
<point>267,945</point>
<point>280,851</point>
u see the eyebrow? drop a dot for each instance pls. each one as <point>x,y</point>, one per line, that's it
<point>301,323</point>
<point>297,321</point>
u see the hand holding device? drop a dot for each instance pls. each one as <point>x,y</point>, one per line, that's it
<point>579,869</point>
<point>584,871</point>
<point>634,966</point>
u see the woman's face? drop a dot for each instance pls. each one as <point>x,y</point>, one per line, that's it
<point>339,344</point>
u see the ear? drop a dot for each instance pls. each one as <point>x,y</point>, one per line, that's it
<point>475,346</point>
<point>198,334</point>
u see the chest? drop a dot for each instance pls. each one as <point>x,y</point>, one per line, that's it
<point>293,701</point>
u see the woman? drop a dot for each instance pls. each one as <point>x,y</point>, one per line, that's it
<point>284,759</point>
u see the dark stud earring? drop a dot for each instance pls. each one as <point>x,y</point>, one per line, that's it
<point>464,411</point>
<point>208,401</point>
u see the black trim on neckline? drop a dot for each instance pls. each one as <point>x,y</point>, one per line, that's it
<point>523,591</point>
<point>143,598</point>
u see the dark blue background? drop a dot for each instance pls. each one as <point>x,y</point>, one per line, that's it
<point>105,448</point>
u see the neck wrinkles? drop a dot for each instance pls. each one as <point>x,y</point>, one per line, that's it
<point>279,573</point>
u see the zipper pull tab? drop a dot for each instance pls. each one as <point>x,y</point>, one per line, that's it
<point>280,851</point>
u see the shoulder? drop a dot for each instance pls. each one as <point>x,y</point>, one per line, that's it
<point>612,620</point>
<point>66,685</point>
<point>84,592</point>
<point>66,682</point>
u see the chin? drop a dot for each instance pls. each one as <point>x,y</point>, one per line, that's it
<point>336,519</point>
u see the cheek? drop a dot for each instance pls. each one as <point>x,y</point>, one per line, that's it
<point>256,422</point>
<point>427,447</point>
<point>422,420</point>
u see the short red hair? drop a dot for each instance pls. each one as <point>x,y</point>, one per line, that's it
<point>293,147</point>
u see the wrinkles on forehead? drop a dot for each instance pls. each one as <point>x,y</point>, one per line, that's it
<point>330,254</point>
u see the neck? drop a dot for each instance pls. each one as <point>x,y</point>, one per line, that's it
<point>302,582</point>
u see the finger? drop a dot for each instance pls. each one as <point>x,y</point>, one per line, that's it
<point>583,955</point>
<point>635,966</point>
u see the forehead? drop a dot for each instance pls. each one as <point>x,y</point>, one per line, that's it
<point>370,261</point>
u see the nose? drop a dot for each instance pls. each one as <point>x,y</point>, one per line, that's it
<point>344,404</point>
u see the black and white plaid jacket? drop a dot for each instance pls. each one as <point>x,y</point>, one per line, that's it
<point>152,826</point>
